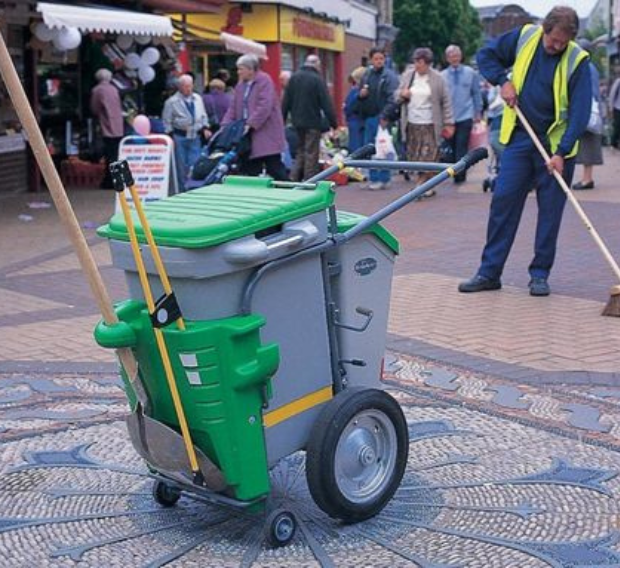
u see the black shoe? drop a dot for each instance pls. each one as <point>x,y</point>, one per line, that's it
<point>479,284</point>
<point>539,287</point>
<point>582,185</point>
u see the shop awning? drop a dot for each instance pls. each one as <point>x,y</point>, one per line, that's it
<point>104,20</point>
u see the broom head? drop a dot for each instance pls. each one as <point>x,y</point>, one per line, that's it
<point>613,306</point>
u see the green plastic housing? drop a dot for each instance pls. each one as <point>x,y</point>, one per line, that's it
<point>223,375</point>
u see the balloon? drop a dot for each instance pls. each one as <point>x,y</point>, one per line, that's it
<point>68,38</point>
<point>143,39</point>
<point>43,33</point>
<point>150,56</point>
<point>124,41</point>
<point>142,125</point>
<point>132,61</point>
<point>146,74</point>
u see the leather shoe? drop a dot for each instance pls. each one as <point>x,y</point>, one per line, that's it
<point>539,287</point>
<point>479,284</point>
<point>582,185</point>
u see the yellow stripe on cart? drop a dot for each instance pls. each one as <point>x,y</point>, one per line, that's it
<point>297,407</point>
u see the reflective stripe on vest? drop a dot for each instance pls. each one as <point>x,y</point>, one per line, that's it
<point>527,44</point>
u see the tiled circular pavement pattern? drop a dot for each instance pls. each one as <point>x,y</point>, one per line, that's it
<point>485,486</point>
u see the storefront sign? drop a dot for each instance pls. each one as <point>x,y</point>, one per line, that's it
<point>12,143</point>
<point>251,21</point>
<point>151,160</point>
<point>303,29</point>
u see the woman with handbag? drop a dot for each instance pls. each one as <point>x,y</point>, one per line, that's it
<point>426,111</point>
<point>591,143</point>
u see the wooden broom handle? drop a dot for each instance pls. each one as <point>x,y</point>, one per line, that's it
<point>571,197</point>
<point>67,215</point>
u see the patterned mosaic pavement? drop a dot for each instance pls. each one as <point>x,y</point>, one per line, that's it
<point>496,477</point>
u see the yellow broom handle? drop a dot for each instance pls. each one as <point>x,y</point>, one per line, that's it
<point>63,206</point>
<point>571,197</point>
<point>159,336</point>
<point>161,269</point>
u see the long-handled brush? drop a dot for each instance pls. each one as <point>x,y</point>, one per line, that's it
<point>613,305</point>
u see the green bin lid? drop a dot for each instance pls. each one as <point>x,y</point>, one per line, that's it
<point>347,220</point>
<point>219,213</point>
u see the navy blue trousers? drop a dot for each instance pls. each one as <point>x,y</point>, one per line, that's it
<point>522,170</point>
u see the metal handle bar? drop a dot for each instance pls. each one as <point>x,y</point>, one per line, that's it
<point>463,164</point>
<point>359,154</point>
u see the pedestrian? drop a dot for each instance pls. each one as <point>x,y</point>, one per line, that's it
<point>355,123</point>
<point>551,83</point>
<point>464,85</point>
<point>307,100</point>
<point>106,106</point>
<point>614,108</point>
<point>426,111</point>
<point>375,94</point>
<point>591,143</point>
<point>185,120</point>
<point>256,101</point>
<point>216,102</point>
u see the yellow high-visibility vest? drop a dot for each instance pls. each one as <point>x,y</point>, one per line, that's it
<point>529,39</point>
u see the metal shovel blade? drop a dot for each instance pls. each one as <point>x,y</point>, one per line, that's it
<point>164,449</point>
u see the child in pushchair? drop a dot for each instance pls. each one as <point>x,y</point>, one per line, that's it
<point>220,156</point>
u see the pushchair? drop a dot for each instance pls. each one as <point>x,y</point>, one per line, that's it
<point>220,156</point>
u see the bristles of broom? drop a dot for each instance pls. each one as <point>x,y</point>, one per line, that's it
<point>613,306</point>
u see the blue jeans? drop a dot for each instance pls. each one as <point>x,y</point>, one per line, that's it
<point>523,169</point>
<point>371,125</point>
<point>186,152</point>
<point>460,142</point>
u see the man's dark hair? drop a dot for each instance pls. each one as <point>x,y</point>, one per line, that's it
<point>564,18</point>
<point>374,50</point>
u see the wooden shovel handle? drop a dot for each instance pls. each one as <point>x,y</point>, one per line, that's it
<point>67,215</point>
<point>570,195</point>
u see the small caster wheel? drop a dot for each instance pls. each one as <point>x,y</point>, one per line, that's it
<point>164,494</point>
<point>280,528</point>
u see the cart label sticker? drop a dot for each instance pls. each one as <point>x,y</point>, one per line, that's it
<point>365,266</point>
<point>188,359</point>
<point>194,378</point>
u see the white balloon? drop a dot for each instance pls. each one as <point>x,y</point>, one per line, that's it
<point>150,56</point>
<point>68,38</point>
<point>142,39</point>
<point>146,74</point>
<point>124,41</point>
<point>132,61</point>
<point>43,33</point>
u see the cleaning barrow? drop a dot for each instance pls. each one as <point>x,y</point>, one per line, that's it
<point>284,304</point>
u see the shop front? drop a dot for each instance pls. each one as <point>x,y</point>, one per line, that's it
<point>288,34</point>
<point>57,50</point>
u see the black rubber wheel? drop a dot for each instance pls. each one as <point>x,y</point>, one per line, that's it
<point>164,494</point>
<point>357,454</point>
<point>280,528</point>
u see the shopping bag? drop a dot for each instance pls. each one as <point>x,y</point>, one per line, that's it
<point>595,124</point>
<point>384,145</point>
<point>479,136</point>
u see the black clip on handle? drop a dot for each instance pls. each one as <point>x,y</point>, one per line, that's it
<point>475,156</point>
<point>363,153</point>
<point>121,175</point>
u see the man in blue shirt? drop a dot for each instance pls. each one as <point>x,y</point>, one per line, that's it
<point>464,85</point>
<point>548,66</point>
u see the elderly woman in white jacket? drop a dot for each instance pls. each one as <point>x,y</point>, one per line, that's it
<point>426,111</point>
